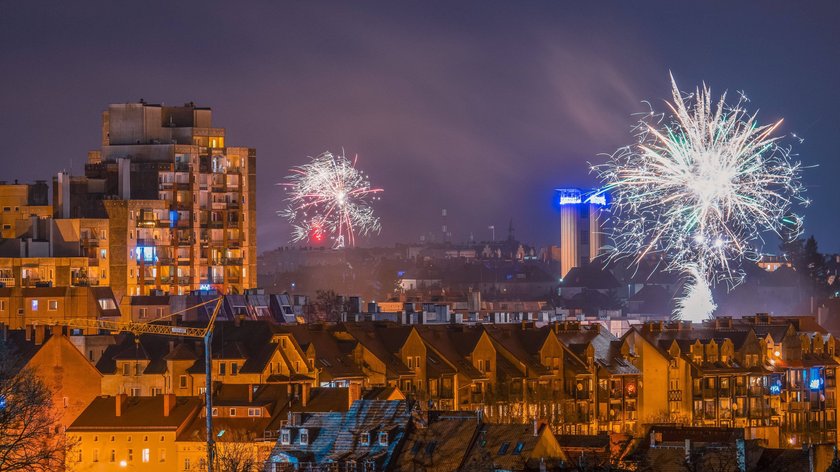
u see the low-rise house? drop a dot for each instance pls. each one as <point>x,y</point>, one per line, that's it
<point>138,432</point>
<point>366,437</point>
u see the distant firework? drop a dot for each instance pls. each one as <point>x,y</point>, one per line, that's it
<point>329,198</point>
<point>700,187</point>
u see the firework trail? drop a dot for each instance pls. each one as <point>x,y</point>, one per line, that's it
<point>329,198</point>
<point>700,187</point>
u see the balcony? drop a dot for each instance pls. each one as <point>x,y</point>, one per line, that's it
<point>7,281</point>
<point>84,281</point>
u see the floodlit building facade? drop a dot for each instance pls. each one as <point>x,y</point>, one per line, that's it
<point>180,202</point>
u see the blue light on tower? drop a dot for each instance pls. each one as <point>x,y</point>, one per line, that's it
<point>576,196</point>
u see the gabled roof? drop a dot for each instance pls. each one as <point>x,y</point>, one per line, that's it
<point>442,445</point>
<point>453,344</point>
<point>333,357</point>
<point>336,437</point>
<point>509,446</point>
<point>384,341</point>
<point>523,344</point>
<point>138,413</point>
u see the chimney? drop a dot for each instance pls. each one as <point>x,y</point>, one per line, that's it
<point>354,393</point>
<point>120,399</point>
<point>168,403</point>
<point>40,333</point>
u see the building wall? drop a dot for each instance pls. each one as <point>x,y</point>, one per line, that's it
<point>653,392</point>
<point>95,449</point>
<point>73,381</point>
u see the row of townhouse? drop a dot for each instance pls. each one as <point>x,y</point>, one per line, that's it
<point>576,377</point>
<point>774,377</point>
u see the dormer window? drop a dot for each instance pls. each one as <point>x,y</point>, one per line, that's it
<point>365,440</point>
<point>383,438</point>
<point>285,437</point>
<point>304,437</point>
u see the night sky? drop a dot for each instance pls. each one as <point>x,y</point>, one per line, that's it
<point>481,107</point>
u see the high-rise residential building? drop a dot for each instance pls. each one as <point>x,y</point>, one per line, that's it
<point>581,237</point>
<point>181,204</point>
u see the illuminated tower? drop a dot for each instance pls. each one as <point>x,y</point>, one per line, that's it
<point>580,220</point>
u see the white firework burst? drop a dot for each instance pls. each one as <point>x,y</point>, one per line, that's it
<point>329,198</point>
<point>701,187</point>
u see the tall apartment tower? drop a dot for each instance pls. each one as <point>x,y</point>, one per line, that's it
<point>581,238</point>
<point>181,204</point>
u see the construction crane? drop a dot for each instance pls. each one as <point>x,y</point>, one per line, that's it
<point>205,333</point>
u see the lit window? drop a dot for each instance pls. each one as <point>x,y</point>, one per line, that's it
<point>107,304</point>
<point>144,456</point>
<point>365,439</point>
<point>383,438</point>
<point>304,437</point>
<point>34,305</point>
<point>285,437</point>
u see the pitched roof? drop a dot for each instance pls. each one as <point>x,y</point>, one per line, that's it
<point>508,446</point>
<point>138,413</point>
<point>441,445</point>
